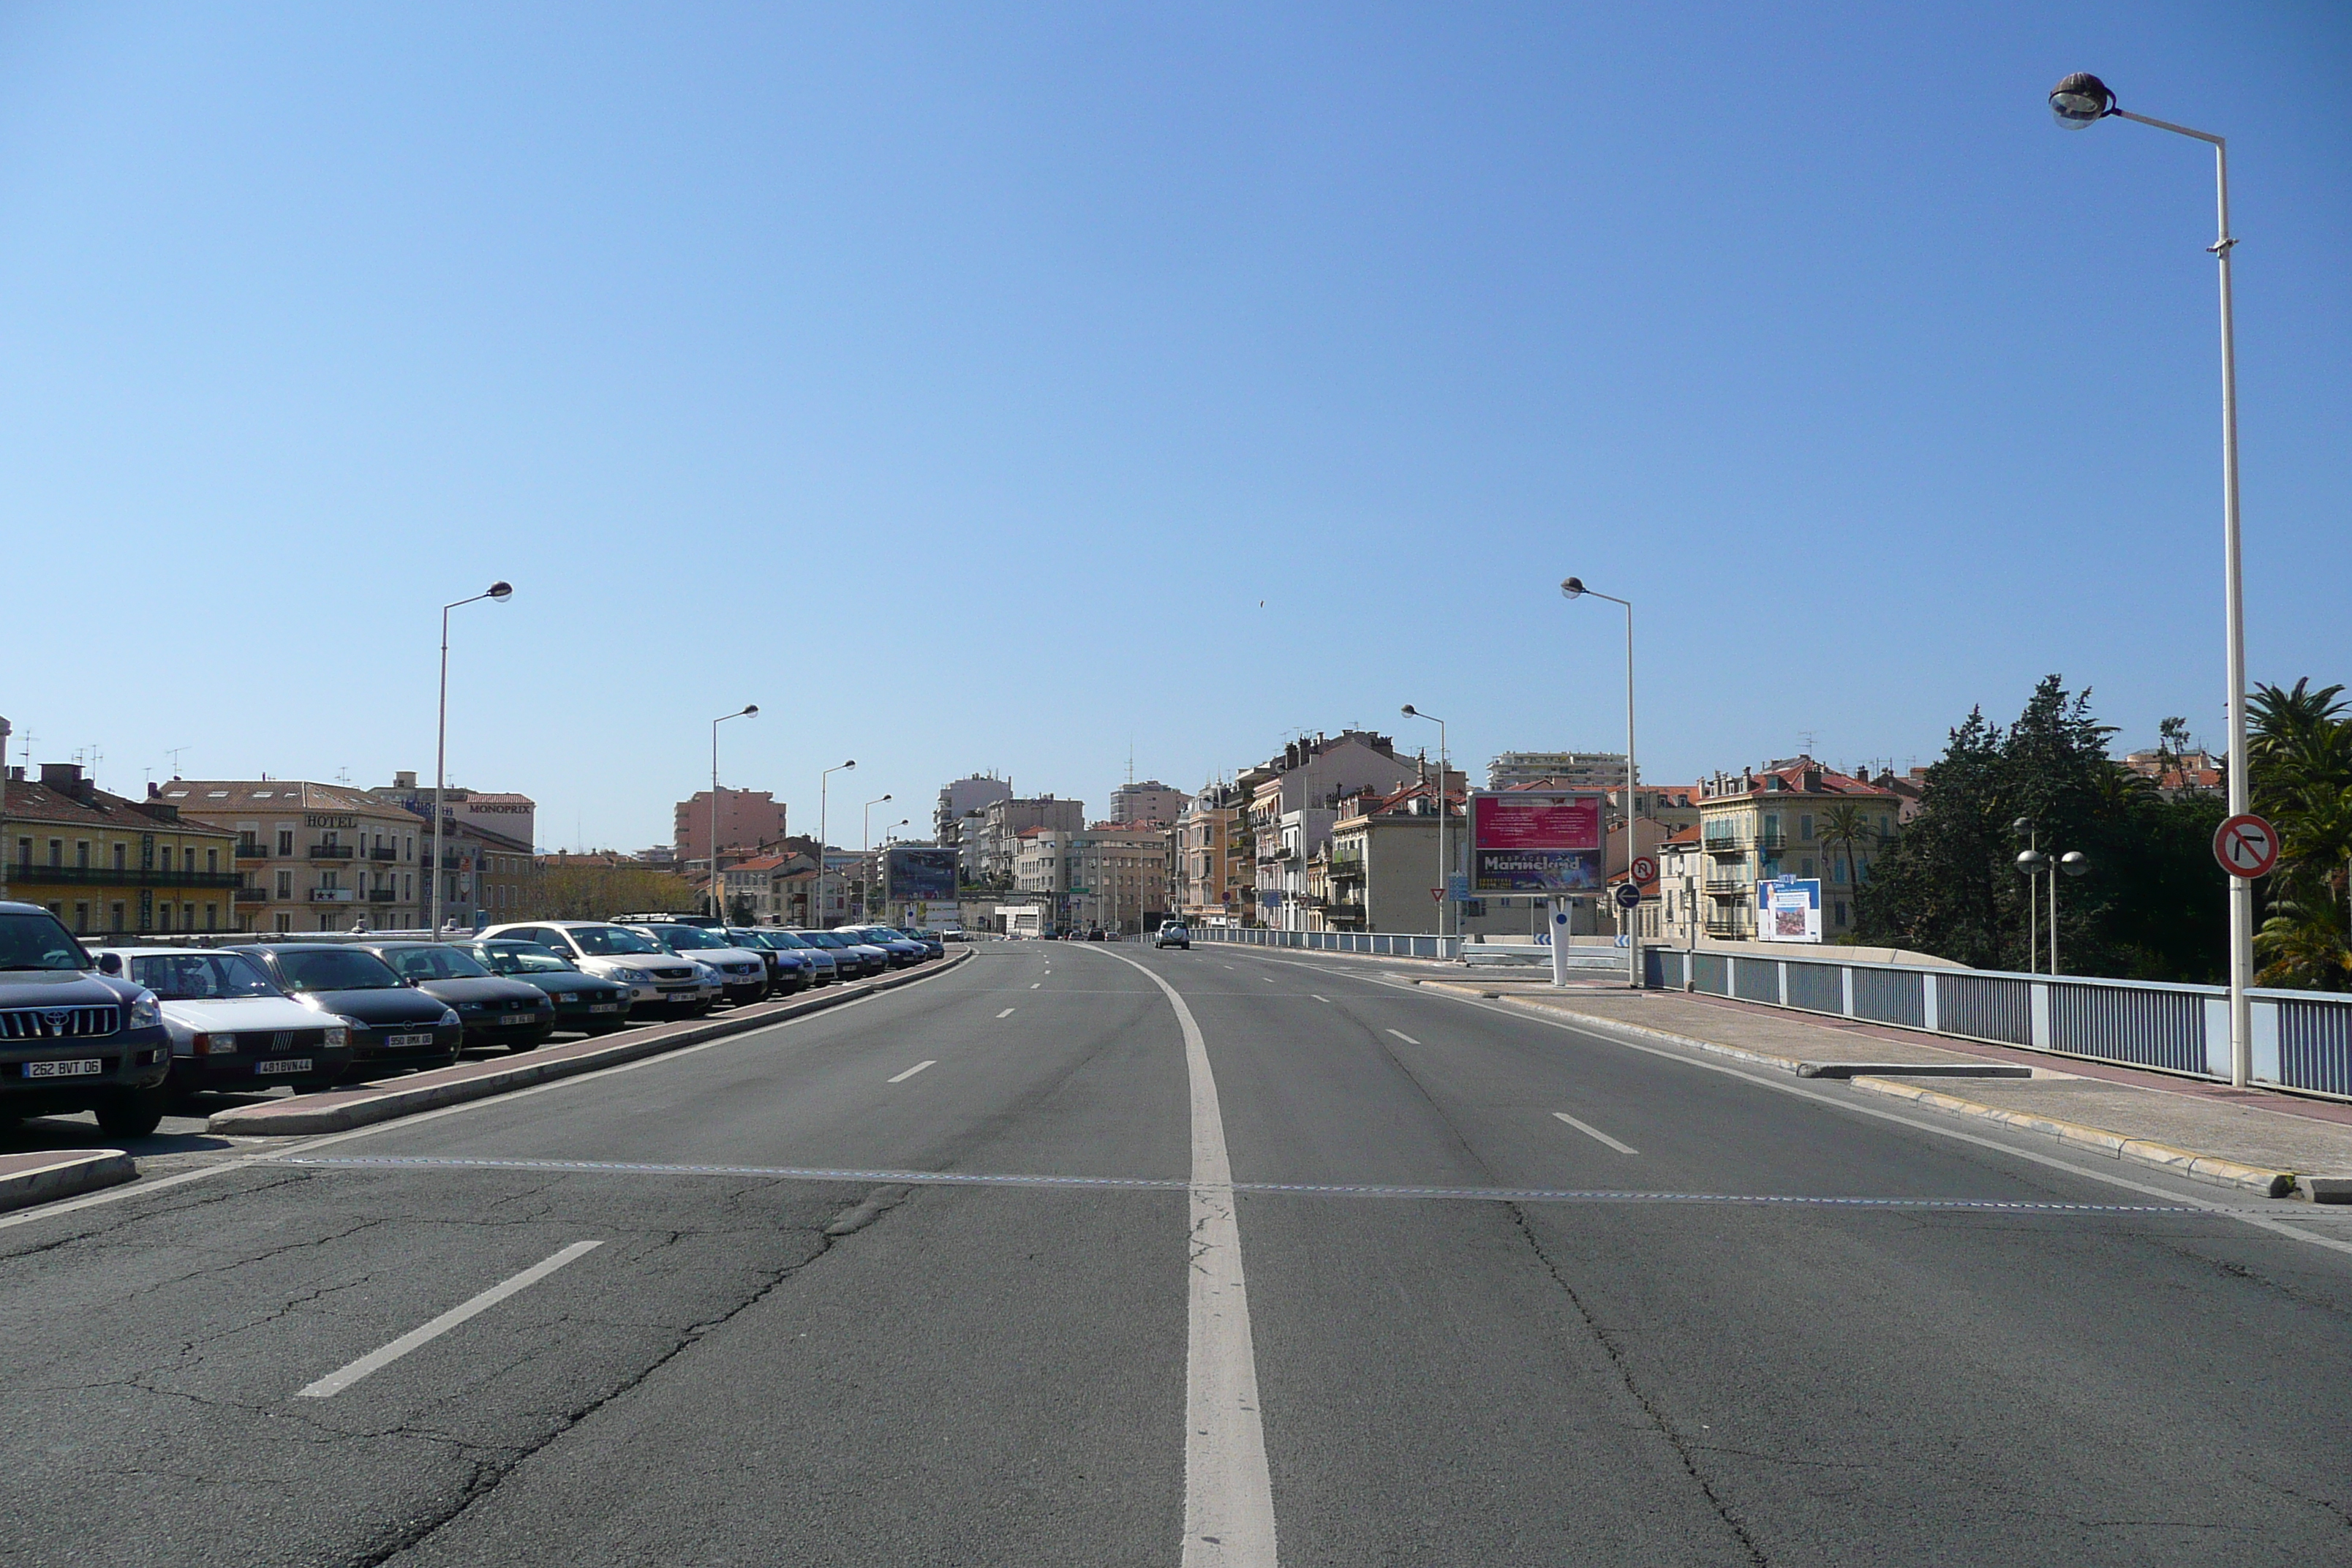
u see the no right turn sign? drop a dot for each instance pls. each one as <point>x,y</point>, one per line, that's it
<point>2246,846</point>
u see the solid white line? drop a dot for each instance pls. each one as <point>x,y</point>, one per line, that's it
<point>1401,1035</point>
<point>913,1070</point>
<point>334,1383</point>
<point>1006,1013</point>
<point>1592,1131</point>
<point>1228,1491</point>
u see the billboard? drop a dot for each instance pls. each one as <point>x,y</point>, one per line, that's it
<point>1534,841</point>
<point>1788,909</point>
<point>918,875</point>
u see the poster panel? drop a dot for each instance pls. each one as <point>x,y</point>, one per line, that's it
<point>924,875</point>
<point>1788,909</point>
<point>1534,842</point>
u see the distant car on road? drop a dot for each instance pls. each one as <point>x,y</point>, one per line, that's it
<point>495,1012</point>
<point>1173,933</point>
<point>659,981</point>
<point>74,1035</point>
<point>583,1002</point>
<point>231,1026</point>
<point>392,1024</point>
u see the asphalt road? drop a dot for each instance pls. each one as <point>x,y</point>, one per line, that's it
<point>952,1276</point>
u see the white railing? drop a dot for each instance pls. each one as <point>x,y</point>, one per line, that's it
<point>1384,945</point>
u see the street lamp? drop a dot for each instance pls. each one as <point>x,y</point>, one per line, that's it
<point>1444,866</point>
<point>2032,863</point>
<point>1574,588</point>
<point>748,710</point>
<point>865,852</point>
<point>501,592</point>
<point>816,916</point>
<point>2078,102</point>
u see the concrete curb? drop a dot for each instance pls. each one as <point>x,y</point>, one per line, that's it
<point>54,1174</point>
<point>341,1110</point>
<point>2143,1151</point>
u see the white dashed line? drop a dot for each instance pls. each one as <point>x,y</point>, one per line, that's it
<point>1592,1131</point>
<point>1318,998</point>
<point>913,1070</point>
<point>1006,1013</point>
<point>334,1383</point>
<point>1034,984</point>
<point>1401,1035</point>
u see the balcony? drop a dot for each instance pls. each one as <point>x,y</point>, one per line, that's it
<point>330,851</point>
<point>1726,887</point>
<point>380,895</point>
<point>106,877</point>
<point>383,852</point>
<point>334,895</point>
<point>252,895</point>
<point>246,850</point>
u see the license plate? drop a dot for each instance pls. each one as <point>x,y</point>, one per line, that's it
<point>406,1042</point>
<point>283,1064</point>
<point>603,1007</point>
<point>507,1019</point>
<point>63,1069</point>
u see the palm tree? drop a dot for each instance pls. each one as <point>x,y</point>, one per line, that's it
<point>2300,755</point>
<point>1844,824</point>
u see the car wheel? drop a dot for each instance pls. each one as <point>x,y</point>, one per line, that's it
<point>132,1112</point>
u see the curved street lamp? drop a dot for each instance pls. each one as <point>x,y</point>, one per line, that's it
<point>497,592</point>
<point>1574,588</point>
<point>2078,102</point>
<point>717,900</point>
<point>865,851</point>
<point>816,918</point>
<point>1444,864</point>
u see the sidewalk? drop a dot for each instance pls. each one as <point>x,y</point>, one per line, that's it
<point>2252,1140</point>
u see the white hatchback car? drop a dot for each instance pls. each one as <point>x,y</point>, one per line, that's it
<point>231,1027</point>
<point>658,980</point>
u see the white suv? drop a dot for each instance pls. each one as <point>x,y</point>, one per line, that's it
<point>1174,933</point>
<point>657,977</point>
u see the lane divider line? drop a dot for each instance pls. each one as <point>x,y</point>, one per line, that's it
<point>1228,1489</point>
<point>1592,1131</point>
<point>1320,998</point>
<point>1006,1013</point>
<point>913,1070</point>
<point>1401,1035</point>
<point>335,1382</point>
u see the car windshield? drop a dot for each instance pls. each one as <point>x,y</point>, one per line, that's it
<point>436,963</point>
<point>522,958</point>
<point>682,939</point>
<point>885,933</point>
<point>823,939</point>
<point>335,969</point>
<point>783,938</point>
<point>38,942</point>
<point>200,976</point>
<point>606,941</point>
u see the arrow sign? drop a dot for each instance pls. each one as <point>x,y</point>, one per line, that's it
<point>1628,895</point>
<point>2246,846</point>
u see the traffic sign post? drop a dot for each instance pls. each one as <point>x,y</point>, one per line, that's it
<point>1628,896</point>
<point>2246,846</point>
<point>1643,869</point>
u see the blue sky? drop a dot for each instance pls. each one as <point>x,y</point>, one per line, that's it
<point>1003,387</point>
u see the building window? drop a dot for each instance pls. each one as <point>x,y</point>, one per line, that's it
<point>119,848</point>
<point>285,888</point>
<point>164,862</point>
<point>58,852</point>
<point>187,917</point>
<point>285,841</point>
<point>81,854</point>
<point>81,918</point>
<point>212,862</point>
<point>285,923</point>
<point>24,852</point>
<point>114,915</point>
<point>163,917</point>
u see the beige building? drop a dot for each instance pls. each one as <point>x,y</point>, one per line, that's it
<point>316,857</point>
<point>103,864</point>
<point>1779,821</point>
<point>1215,870</point>
<point>1383,863</point>
<point>1109,876</point>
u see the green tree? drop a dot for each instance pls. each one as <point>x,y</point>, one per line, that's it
<point>1845,826</point>
<point>2299,762</point>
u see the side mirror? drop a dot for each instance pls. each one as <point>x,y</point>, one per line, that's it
<point>110,963</point>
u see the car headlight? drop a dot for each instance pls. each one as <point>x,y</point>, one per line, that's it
<point>633,976</point>
<point>470,1006</point>
<point>337,1035</point>
<point>449,1017</point>
<point>146,1013</point>
<point>704,971</point>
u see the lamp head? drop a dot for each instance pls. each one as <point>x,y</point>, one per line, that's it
<point>2080,99</point>
<point>2023,827</point>
<point>2073,862</point>
<point>2031,862</point>
<point>851,763</point>
<point>501,592</point>
<point>751,710</point>
<point>1572,587</point>
<point>1407,711</point>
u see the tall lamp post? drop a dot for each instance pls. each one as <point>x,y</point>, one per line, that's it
<point>1444,866</point>
<point>717,898</point>
<point>501,592</point>
<point>1574,588</point>
<point>2078,102</point>
<point>817,916</point>
<point>865,854</point>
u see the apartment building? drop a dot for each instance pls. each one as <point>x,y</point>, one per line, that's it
<point>1293,801</point>
<point>1003,823</point>
<point>1558,770</point>
<point>104,864</point>
<point>316,857</point>
<point>961,803</point>
<point>1777,821</point>
<point>1217,873</point>
<point>1150,802</point>
<point>1110,876</point>
<point>747,819</point>
<point>1383,863</point>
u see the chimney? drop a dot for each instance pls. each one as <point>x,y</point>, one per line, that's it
<point>66,779</point>
<point>154,790</point>
<point>405,779</point>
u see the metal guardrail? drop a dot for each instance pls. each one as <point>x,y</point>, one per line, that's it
<point>1383,945</point>
<point>2303,1039</point>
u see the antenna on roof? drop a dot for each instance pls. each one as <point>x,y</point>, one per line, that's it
<point>1805,742</point>
<point>173,753</point>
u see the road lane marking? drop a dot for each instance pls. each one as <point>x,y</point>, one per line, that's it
<point>1175,1185</point>
<point>1034,984</point>
<point>1228,1490</point>
<point>1006,1013</point>
<point>1320,998</point>
<point>1592,1131</point>
<point>334,1383</point>
<point>1401,1035</point>
<point>913,1070</point>
<point>1267,978</point>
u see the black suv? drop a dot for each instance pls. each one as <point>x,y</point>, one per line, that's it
<point>72,1039</point>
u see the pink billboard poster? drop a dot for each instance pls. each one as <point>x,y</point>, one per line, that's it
<point>1536,820</point>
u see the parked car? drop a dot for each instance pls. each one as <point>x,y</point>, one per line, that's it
<point>392,1023</point>
<point>231,1026</point>
<point>494,1012</point>
<point>903,953</point>
<point>789,969</point>
<point>858,959</point>
<point>934,942</point>
<point>1173,933</point>
<point>954,933</point>
<point>824,963</point>
<point>74,1035</point>
<point>742,972</point>
<point>583,1002</point>
<point>1095,935</point>
<point>659,981</point>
